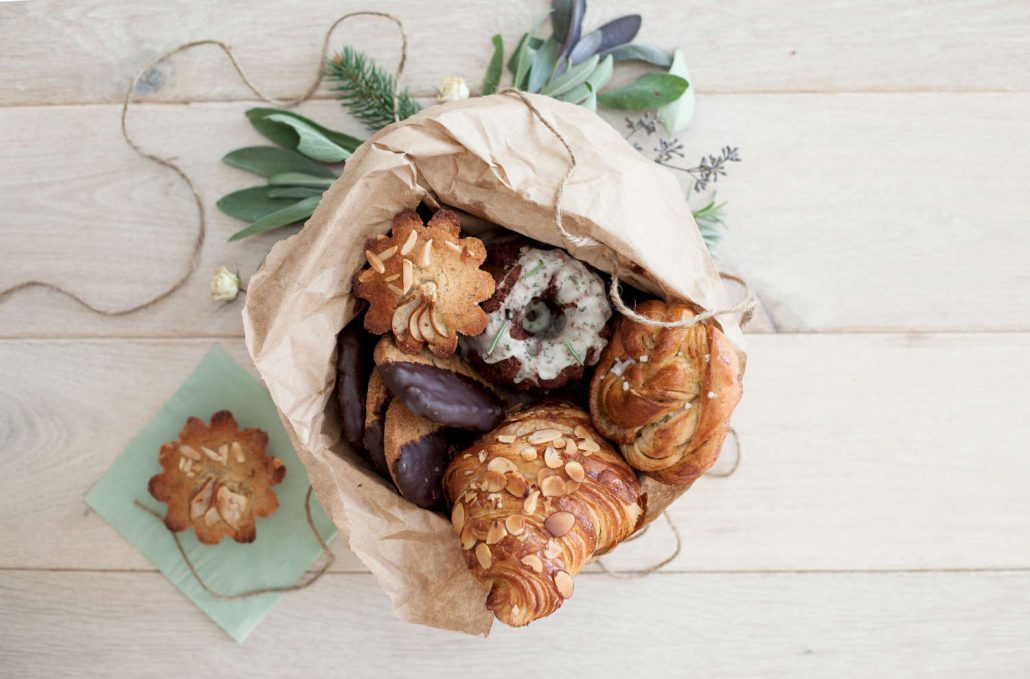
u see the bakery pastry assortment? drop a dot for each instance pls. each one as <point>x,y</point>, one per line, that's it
<point>474,402</point>
<point>217,479</point>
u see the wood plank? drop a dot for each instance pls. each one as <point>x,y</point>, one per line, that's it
<point>848,212</point>
<point>58,52</point>
<point>860,452</point>
<point>717,625</point>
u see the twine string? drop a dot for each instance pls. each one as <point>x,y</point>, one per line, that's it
<point>198,242</point>
<point>644,572</point>
<point>329,559</point>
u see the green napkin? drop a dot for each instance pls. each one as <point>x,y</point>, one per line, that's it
<point>284,548</point>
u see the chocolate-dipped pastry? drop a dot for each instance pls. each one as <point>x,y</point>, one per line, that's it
<point>444,390</point>
<point>417,453</point>
<point>377,401</point>
<point>352,367</point>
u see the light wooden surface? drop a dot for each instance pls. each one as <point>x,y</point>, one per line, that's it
<point>879,523</point>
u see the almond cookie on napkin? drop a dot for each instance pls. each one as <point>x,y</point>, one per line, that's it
<point>217,479</point>
<point>424,283</point>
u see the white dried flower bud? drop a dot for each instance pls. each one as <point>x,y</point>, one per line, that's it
<point>225,285</point>
<point>452,89</point>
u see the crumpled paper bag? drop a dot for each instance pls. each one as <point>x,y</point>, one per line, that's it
<point>492,158</point>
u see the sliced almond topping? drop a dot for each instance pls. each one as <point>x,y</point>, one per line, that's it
<point>534,562</point>
<point>211,516</point>
<point>189,452</point>
<point>495,481</point>
<point>483,555</point>
<point>516,523</point>
<point>401,315</point>
<point>528,454</point>
<point>506,438</point>
<point>543,473</point>
<point>467,538</point>
<point>552,550</point>
<point>575,471</point>
<point>563,581</point>
<point>437,320</point>
<point>223,451</point>
<point>409,242</point>
<point>560,523</point>
<point>543,436</point>
<point>496,533</point>
<point>469,496</point>
<point>570,447</point>
<point>553,486</point>
<point>375,262</point>
<point>559,443</point>
<point>589,445</point>
<point>571,487</point>
<point>391,278</point>
<point>479,529</point>
<point>182,464</point>
<point>366,275</point>
<point>387,253</point>
<point>424,326</point>
<point>581,432</point>
<point>458,518</point>
<point>230,506</point>
<point>187,464</point>
<point>395,289</point>
<point>427,252</point>
<point>517,486</point>
<point>408,275</point>
<point>482,456</point>
<point>413,322</point>
<point>453,246</point>
<point>551,458</point>
<point>237,451</point>
<point>501,464</point>
<point>380,236</point>
<point>212,455</point>
<point>529,506</point>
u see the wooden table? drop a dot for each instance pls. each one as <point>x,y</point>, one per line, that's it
<point>879,523</point>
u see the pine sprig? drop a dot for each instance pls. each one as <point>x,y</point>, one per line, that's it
<point>366,90</point>
<point>710,223</point>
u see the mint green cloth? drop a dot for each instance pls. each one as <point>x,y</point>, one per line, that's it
<point>284,548</point>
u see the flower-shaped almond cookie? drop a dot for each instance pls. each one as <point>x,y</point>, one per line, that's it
<point>217,479</point>
<point>424,283</point>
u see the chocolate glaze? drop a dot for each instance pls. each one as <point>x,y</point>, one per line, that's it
<point>373,438</point>
<point>351,383</point>
<point>419,469</point>
<point>443,396</point>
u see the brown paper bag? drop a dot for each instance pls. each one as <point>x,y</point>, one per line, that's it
<point>493,158</point>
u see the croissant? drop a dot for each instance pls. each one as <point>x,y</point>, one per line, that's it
<point>666,394</point>
<point>533,501</point>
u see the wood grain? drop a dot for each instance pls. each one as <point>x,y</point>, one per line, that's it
<point>87,52</point>
<point>714,625</point>
<point>826,217</point>
<point>859,452</point>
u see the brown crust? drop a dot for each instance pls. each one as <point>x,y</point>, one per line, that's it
<point>603,509</point>
<point>220,496</point>
<point>671,413</point>
<point>448,290</point>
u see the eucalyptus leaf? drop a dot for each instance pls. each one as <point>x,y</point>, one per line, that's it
<point>650,90</point>
<point>561,16</point>
<point>522,67</point>
<point>614,33</point>
<point>312,143</point>
<point>286,137</point>
<point>591,100</point>
<point>602,74</point>
<point>678,114</point>
<point>300,179</point>
<point>526,39</point>
<point>493,71</point>
<point>577,94</point>
<point>638,52</point>
<point>572,34</point>
<point>269,160</point>
<point>543,64</point>
<point>572,77</point>
<point>250,204</point>
<point>293,192</point>
<point>297,212</point>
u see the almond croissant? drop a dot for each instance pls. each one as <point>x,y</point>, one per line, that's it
<point>533,501</point>
<point>666,394</point>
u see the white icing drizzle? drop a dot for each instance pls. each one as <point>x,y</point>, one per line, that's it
<point>547,357</point>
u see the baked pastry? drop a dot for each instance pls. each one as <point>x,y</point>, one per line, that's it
<point>424,283</point>
<point>377,400</point>
<point>352,368</point>
<point>666,394</point>
<point>217,479</point>
<point>533,501</point>
<point>545,321</point>
<point>444,390</point>
<point>417,453</point>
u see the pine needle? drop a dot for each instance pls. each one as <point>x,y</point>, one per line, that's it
<point>366,90</point>
<point>710,223</point>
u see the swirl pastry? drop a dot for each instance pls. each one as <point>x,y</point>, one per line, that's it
<point>666,394</point>
<point>533,501</point>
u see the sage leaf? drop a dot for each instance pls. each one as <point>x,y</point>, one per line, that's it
<point>543,64</point>
<point>614,33</point>
<point>573,32</point>
<point>572,77</point>
<point>561,16</point>
<point>602,74</point>
<point>526,39</point>
<point>293,192</point>
<point>312,143</point>
<point>300,179</point>
<point>577,94</point>
<point>591,100</point>
<point>250,204</point>
<point>297,212</point>
<point>286,136</point>
<point>522,67</point>
<point>493,71</point>
<point>650,90</point>
<point>677,115</point>
<point>637,52</point>
<point>267,161</point>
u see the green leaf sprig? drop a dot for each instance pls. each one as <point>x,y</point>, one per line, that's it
<point>366,90</point>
